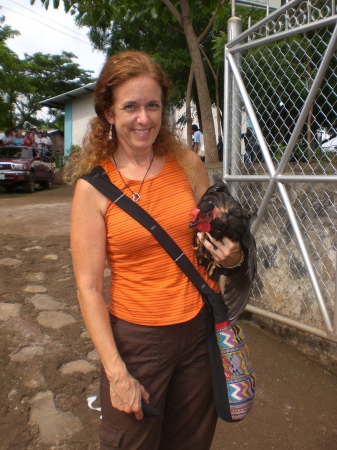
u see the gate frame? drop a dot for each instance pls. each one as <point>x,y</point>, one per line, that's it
<point>276,177</point>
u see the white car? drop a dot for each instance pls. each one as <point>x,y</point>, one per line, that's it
<point>329,145</point>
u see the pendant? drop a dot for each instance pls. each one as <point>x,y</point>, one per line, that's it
<point>136,197</point>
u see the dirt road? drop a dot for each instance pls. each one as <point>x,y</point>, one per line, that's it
<point>49,368</point>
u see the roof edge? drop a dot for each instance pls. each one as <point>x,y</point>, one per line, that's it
<point>59,101</point>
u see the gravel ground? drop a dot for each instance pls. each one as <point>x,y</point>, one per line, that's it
<point>49,368</point>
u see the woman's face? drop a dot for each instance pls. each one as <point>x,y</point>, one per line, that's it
<point>137,113</point>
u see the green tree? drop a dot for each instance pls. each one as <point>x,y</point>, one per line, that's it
<point>24,83</point>
<point>47,76</point>
<point>284,72</point>
<point>182,14</point>
<point>164,42</point>
<point>219,40</point>
<point>9,63</point>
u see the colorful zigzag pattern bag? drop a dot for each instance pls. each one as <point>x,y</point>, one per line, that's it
<point>233,377</point>
<point>238,369</point>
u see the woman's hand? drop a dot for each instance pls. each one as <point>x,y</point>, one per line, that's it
<point>226,253</point>
<point>126,394</point>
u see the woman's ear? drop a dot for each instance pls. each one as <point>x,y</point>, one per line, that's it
<point>109,117</point>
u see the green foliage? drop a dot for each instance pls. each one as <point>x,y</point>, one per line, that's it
<point>59,161</point>
<point>149,30</point>
<point>57,121</point>
<point>300,153</point>
<point>167,46</point>
<point>74,149</point>
<point>282,73</point>
<point>148,26</point>
<point>177,33</point>
<point>24,83</point>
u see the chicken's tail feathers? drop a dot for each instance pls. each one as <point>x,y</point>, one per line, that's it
<point>247,239</point>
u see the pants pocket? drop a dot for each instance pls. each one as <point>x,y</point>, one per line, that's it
<point>109,437</point>
<point>138,347</point>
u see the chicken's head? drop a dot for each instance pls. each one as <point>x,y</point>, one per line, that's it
<point>203,216</point>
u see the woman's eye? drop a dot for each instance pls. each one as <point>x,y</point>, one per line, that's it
<point>129,107</point>
<point>154,105</point>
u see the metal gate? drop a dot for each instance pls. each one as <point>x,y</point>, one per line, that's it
<point>280,159</point>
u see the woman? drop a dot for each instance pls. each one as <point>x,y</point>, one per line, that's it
<point>28,139</point>
<point>151,340</point>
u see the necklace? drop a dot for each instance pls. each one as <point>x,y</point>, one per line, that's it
<point>135,195</point>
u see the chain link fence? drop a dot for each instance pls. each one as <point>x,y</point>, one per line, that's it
<point>280,158</point>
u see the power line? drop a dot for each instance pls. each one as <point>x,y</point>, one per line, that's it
<point>45,18</point>
<point>66,34</point>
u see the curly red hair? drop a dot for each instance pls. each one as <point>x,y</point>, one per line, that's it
<point>118,69</point>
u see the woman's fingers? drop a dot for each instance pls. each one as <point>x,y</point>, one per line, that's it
<point>126,396</point>
<point>225,251</point>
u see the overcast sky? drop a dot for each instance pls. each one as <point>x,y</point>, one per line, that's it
<point>48,32</point>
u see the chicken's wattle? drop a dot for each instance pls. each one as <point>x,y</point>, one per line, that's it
<point>203,226</point>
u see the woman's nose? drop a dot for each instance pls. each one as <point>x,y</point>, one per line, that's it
<point>142,115</point>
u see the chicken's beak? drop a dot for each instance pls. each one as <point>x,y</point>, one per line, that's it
<point>195,217</point>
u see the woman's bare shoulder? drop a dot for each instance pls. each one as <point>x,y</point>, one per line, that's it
<point>88,197</point>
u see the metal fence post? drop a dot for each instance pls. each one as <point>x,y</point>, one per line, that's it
<point>234,29</point>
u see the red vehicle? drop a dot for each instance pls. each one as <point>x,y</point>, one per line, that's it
<point>21,166</point>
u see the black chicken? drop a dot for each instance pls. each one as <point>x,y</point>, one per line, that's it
<point>220,215</point>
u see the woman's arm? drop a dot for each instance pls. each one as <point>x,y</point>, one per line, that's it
<point>200,181</point>
<point>88,248</point>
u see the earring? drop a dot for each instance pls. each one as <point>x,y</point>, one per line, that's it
<point>110,133</point>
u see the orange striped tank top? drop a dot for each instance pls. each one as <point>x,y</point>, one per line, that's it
<point>147,287</point>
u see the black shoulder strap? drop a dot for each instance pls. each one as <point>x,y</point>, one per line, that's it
<point>100,180</point>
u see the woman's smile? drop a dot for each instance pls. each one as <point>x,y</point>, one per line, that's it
<point>137,113</point>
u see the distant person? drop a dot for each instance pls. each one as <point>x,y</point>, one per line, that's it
<point>18,139</point>
<point>251,145</point>
<point>46,139</point>
<point>220,149</point>
<point>46,144</point>
<point>2,136</point>
<point>198,142</point>
<point>38,143</point>
<point>28,140</point>
<point>8,137</point>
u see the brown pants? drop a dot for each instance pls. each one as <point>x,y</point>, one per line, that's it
<point>172,364</point>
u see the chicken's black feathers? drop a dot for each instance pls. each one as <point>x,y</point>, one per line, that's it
<point>233,222</point>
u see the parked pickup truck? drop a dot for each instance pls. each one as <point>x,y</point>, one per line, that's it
<point>21,166</point>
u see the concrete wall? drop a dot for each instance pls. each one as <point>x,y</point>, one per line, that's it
<point>82,112</point>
